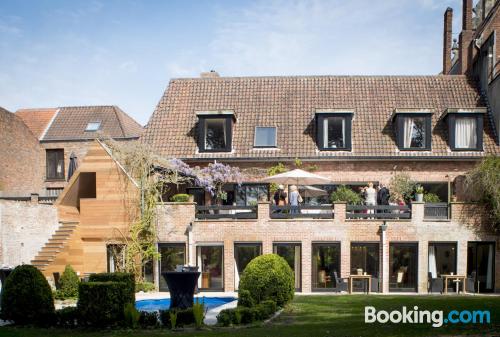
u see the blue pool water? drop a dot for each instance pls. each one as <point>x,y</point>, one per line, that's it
<point>164,303</point>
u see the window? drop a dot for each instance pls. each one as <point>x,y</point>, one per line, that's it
<point>215,133</point>
<point>55,164</point>
<point>465,130</point>
<point>115,257</point>
<point>365,256</point>
<point>251,194</point>
<point>334,131</point>
<point>210,262</point>
<point>171,255</point>
<point>292,254</point>
<point>265,137</point>
<point>413,131</point>
<point>481,266</point>
<point>442,259</point>
<point>93,126</point>
<point>403,267</point>
<point>243,254</point>
<point>325,263</point>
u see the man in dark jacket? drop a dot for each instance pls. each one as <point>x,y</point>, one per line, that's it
<point>383,196</point>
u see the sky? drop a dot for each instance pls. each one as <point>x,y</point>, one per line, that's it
<point>124,52</point>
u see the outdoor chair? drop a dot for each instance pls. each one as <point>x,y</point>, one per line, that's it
<point>340,284</point>
<point>435,285</point>
<point>375,286</point>
<point>471,283</point>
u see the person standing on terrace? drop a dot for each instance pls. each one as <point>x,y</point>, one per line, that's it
<point>370,196</point>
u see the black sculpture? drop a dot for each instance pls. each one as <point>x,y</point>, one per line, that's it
<point>181,286</point>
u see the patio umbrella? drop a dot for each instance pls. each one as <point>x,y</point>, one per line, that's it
<point>311,191</point>
<point>72,165</point>
<point>297,177</point>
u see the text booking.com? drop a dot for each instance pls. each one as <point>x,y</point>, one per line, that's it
<point>417,316</point>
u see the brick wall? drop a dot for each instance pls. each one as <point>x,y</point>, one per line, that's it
<point>20,157</point>
<point>24,228</point>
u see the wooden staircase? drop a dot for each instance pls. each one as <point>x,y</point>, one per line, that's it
<point>56,243</point>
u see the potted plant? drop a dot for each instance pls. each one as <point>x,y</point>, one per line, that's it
<point>419,193</point>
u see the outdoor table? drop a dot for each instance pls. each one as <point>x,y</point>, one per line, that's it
<point>463,278</point>
<point>367,278</point>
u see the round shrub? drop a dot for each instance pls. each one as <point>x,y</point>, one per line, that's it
<point>268,277</point>
<point>181,197</point>
<point>27,297</point>
<point>68,284</point>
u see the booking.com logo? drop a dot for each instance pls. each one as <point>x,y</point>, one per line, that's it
<point>437,317</point>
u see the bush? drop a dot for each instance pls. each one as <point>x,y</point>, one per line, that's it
<point>246,315</point>
<point>102,303</point>
<point>68,284</point>
<point>227,317</point>
<point>431,197</point>
<point>131,316</point>
<point>403,186</point>
<point>268,277</point>
<point>148,319</point>
<point>67,317</point>
<point>181,197</point>
<point>145,287</point>
<point>265,309</point>
<point>27,297</point>
<point>184,317</point>
<point>126,278</point>
<point>345,194</point>
<point>245,298</point>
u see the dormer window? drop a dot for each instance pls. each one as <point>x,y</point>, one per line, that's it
<point>333,130</point>
<point>215,131</point>
<point>265,136</point>
<point>413,129</point>
<point>465,129</point>
<point>93,126</point>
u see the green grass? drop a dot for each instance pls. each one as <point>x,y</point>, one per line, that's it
<point>325,316</point>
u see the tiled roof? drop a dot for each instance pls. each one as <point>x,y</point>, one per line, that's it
<point>289,103</point>
<point>36,119</point>
<point>69,123</point>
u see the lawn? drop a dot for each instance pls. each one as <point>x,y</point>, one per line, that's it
<point>326,316</point>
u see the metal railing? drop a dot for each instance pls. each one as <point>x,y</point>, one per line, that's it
<point>226,212</point>
<point>436,210</point>
<point>302,211</point>
<point>378,212</point>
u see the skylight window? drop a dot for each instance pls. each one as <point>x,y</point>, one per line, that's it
<point>265,137</point>
<point>93,126</point>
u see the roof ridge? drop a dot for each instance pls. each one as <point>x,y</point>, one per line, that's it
<point>317,76</point>
<point>120,121</point>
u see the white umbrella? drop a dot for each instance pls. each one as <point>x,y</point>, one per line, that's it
<point>311,191</point>
<point>297,177</point>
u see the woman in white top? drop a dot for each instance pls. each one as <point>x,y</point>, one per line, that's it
<point>370,196</point>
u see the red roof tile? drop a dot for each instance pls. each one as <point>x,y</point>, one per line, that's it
<point>36,120</point>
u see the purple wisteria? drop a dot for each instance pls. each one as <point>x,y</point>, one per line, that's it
<point>213,178</point>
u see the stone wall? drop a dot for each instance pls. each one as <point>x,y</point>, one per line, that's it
<point>25,226</point>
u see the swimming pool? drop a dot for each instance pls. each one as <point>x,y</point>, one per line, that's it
<point>164,303</point>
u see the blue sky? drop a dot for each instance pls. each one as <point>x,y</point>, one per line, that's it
<point>124,52</point>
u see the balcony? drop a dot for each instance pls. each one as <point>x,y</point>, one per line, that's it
<point>302,211</point>
<point>378,212</point>
<point>436,211</point>
<point>225,212</point>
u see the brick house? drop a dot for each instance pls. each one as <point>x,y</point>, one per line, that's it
<point>67,132</point>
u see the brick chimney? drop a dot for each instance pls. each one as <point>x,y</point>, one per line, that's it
<point>448,18</point>
<point>465,38</point>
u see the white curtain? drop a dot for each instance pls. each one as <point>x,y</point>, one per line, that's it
<point>297,266</point>
<point>325,133</point>
<point>432,261</point>
<point>408,131</point>
<point>489,271</point>
<point>465,133</point>
<point>200,264</point>
<point>236,276</point>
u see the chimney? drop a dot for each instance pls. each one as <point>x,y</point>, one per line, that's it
<point>465,37</point>
<point>209,74</point>
<point>448,18</point>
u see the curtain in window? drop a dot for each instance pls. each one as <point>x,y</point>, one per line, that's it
<point>236,276</point>
<point>409,124</point>
<point>432,261</point>
<point>297,266</point>
<point>489,270</point>
<point>465,132</point>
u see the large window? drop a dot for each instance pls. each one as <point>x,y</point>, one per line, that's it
<point>171,255</point>
<point>325,262</point>
<point>442,258</point>
<point>365,257</point>
<point>481,266</point>
<point>334,131</point>
<point>115,257</point>
<point>265,137</point>
<point>210,262</point>
<point>403,267</point>
<point>55,164</point>
<point>215,133</point>
<point>291,252</point>
<point>413,130</point>
<point>465,130</point>
<point>243,254</point>
<point>250,194</point>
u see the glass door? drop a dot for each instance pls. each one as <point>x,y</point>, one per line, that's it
<point>210,261</point>
<point>291,252</point>
<point>243,254</point>
<point>403,264</point>
<point>325,262</point>
<point>481,266</point>
<point>171,255</point>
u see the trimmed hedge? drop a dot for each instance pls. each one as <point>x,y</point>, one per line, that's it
<point>245,298</point>
<point>27,297</point>
<point>181,197</point>
<point>102,303</point>
<point>184,317</point>
<point>148,319</point>
<point>246,315</point>
<point>126,278</point>
<point>268,277</point>
<point>68,284</point>
<point>67,317</point>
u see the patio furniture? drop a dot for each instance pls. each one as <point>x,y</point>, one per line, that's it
<point>365,278</point>
<point>471,286</point>
<point>461,278</point>
<point>435,284</point>
<point>375,285</point>
<point>323,278</point>
<point>339,283</point>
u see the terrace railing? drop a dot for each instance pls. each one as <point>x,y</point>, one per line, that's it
<point>226,212</point>
<point>378,212</point>
<point>436,211</point>
<point>302,211</point>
